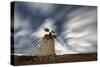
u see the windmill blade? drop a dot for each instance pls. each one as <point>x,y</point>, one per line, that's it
<point>43,27</point>
<point>60,41</point>
<point>42,43</point>
<point>34,44</point>
<point>38,42</point>
<point>57,45</point>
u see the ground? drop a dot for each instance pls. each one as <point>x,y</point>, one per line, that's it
<point>27,60</point>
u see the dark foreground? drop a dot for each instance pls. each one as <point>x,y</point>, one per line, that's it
<point>27,60</point>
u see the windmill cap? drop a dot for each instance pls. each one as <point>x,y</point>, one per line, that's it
<point>46,29</point>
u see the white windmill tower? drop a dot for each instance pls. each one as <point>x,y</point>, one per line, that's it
<point>46,45</point>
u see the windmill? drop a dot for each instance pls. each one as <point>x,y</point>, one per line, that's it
<point>46,45</point>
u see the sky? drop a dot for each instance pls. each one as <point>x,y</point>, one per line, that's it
<point>75,27</point>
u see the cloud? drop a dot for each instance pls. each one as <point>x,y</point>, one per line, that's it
<point>17,21</point>
<point>80,30</point>
<point>44,9</point>
<point>82,19</point>
<point>22,33</point>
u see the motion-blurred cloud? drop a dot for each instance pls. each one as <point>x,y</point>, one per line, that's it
<point>75,26</point>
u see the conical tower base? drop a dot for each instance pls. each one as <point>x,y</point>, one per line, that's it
<point>46,47</point>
